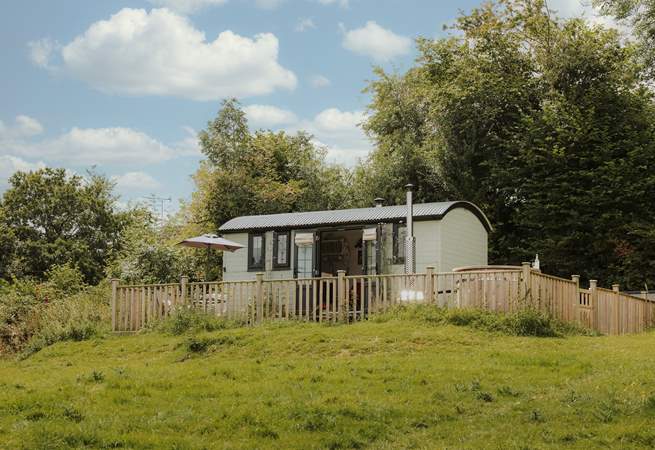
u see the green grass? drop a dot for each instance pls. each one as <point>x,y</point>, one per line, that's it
<point>402,381</point>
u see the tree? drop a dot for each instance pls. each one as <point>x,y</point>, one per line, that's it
<point>640,16</point>
<point>56,219</point>
<point>262,172</point>
<point>544,123</point>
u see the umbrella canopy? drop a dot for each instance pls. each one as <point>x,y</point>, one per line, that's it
<point>211,241</point>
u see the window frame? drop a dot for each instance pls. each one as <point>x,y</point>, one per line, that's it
<point>397,243</point>
<point>261,266</point>
<point>276,264</point>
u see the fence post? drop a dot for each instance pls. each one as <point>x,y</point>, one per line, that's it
<point>341,294</point>
<point>114,293</point>
<point>184,282</point>
<point>259,296</point>
<point>429,283</point>
<point>576,298</point>
<point>617,302</point>
<point>527,281</point>
<point>593,302</point>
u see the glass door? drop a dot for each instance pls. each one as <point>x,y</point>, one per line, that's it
<point>305,262</point>
<point>305,249</point>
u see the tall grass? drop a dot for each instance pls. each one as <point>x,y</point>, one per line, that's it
<point>34,315</point>
<point>189,321</point>
<point>526,322</point>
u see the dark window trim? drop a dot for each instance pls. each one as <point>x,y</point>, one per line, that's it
<point>256,267</point>
<point>396,244</point>
<point>276,265</point>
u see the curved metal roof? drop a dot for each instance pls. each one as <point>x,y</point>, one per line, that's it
<point>422,211</point>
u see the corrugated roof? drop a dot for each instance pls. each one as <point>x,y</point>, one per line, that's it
<point>422,211</point>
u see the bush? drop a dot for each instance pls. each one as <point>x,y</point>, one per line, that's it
<point>35,315</point>
<point>186,320</point>
<point>527,322</point>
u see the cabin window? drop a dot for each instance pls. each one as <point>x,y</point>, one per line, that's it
<point>281,245</point>
<point>256,251</point>
<point>399,235</point>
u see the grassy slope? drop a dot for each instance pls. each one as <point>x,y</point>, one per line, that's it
<point>384,385</point>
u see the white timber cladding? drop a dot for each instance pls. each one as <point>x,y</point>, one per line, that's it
<point>235,264</point>
<point>428,247</point>
<point>458,239</point>
<point>463,240</point>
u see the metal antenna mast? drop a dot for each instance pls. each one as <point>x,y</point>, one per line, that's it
<point>158,203</point>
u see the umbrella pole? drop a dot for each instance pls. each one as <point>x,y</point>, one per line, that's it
<point>207,265</point>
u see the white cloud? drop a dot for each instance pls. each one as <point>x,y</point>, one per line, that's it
<point>189,145</point>
<point>267,115</point>
<point>187,6</point>
<point>159,52</point>
<point>335,120</point>
<point>84,146</point>
<point>319,81</point>
<point>10,165</point>
<point>375,41</point>
<point>304,24</point>
<point>135,181</point>
<point>582,8</point>
<point>90,146</point>
<point>41,51</point>
<point>23,127</point>
<point>339,131</point>
<point>193,6</point>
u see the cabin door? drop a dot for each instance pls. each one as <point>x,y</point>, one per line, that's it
<point>372,259</point>
<point>372,250</point>
<point>306,251</point>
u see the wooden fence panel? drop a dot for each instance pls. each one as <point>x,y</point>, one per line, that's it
<point>352,298</point>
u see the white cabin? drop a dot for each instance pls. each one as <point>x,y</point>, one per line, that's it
<point>359,241</point>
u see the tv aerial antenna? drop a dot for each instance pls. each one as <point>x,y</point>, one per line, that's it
<point>158,205</point>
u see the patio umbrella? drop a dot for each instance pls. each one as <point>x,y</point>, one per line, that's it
<point>210,241</point>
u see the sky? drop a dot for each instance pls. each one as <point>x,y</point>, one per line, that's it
<point>123,87</point>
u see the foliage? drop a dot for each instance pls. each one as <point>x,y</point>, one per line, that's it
<point>526,322</point>
<point>149,255</point>
<point>397,384</point>
<point>48,217</point>
<point>639,15</point>
<point>263,172</point>
<point>185,320</point>
<point>546,124</point>
<point>34,315</point>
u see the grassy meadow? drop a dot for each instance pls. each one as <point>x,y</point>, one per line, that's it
<point>396,382</point>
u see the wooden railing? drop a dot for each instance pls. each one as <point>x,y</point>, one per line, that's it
<point>351,298</point>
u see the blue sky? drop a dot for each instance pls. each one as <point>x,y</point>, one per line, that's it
<point>124,86</point>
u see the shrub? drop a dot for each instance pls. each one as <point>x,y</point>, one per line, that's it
<point>204,344</point>
<point>35,315</point>
<point>66,279</point>
<point>186,320</point>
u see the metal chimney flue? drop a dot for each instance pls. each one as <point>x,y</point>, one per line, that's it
<point>410,242</point>
<point>379,202</point>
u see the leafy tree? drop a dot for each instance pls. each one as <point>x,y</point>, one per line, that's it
<point>544,123</point>
<point>640,16</point>
<point>262,172</point>
<point>54,219</point>
<point>148,253</point>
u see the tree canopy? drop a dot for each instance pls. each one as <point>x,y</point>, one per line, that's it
<point>546,124</point>
<point>50,218</point>
<point>262,172</point>
<point>639,16</point>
